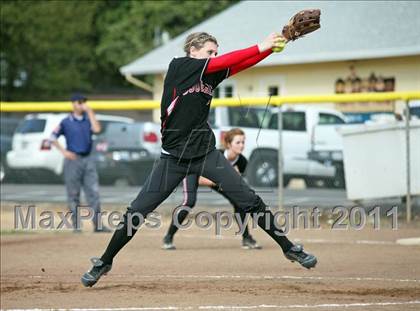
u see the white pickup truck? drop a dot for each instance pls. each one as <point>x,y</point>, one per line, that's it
<point>306,129</point>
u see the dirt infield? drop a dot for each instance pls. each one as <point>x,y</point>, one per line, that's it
<point>362,270</point>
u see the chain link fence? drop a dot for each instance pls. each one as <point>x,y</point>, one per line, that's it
<point>324,157</point>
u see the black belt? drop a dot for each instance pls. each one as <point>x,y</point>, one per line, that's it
<point>83,154</point>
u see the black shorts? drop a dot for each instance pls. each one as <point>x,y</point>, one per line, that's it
<point>169,171</point>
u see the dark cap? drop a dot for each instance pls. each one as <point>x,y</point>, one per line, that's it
<point>78,97</point>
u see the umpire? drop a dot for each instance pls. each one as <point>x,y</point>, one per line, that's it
<point>79,163</point>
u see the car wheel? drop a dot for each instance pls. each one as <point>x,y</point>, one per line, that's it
<point>263,170</point>
<point>339,181</point>
<point>311,182</point>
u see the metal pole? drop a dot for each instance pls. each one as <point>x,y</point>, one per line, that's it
<point>407,150</point>
<point>280,158</point>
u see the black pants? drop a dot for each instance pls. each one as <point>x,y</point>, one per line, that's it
<point>166,176</point>
<point>190,187</point>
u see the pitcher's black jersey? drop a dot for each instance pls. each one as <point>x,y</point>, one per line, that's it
<point>185,107</point>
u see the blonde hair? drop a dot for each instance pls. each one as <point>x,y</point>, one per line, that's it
<point>197,40</point>
<point>230,135</point>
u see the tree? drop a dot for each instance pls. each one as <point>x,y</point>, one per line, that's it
<point>51,48</point>
<point>47,48</point>
<point>128,32</point>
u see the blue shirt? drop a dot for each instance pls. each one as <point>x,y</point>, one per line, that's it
<point>78,133</point>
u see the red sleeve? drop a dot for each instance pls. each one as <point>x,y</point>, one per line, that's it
<point>249,62</point>
<point>228,60</point>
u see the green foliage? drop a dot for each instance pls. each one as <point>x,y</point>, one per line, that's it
<point>129,32</point>
<point>46,48</point>
<point>50,48</point>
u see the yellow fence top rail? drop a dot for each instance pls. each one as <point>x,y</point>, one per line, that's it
<point>231,102</point>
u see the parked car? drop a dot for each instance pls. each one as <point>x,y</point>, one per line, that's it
<point>32,155</point>
<point>8,126</point>
<point>125,153</point>
<point>261,149</point>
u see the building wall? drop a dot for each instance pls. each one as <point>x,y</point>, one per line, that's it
<point>320,78</point>
<point>157,94</point>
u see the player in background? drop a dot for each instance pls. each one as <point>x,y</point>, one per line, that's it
<point>234,143</point>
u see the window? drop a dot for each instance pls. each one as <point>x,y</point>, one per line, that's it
<point>216,93</point>
<point>326,118</point>
<point>243,117</point>
<point>292,121</point>
<point>228,91</point>
<point>273,91</point>
<point>31,126</point>
<point>264,116</point>
<point>225,90</point>
<point>106,123</point>
<point>415,111</point>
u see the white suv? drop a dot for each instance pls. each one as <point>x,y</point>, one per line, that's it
<point>31,148</point>
<point>300,130</point>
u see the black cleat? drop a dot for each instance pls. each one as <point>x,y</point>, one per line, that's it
<point>99,268</point>
<point>168,243</point>
<point>296,253</point>
<point>249,243</point>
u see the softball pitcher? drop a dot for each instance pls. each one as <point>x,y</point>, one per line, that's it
<point>188,145</point>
